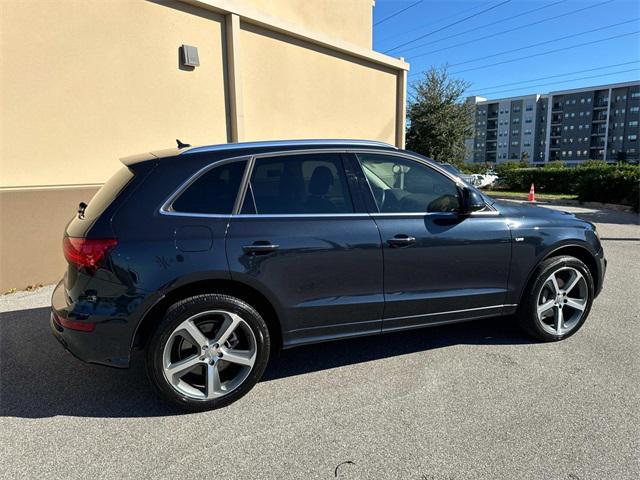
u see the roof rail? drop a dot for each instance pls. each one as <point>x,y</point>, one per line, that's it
<point>286,143</point>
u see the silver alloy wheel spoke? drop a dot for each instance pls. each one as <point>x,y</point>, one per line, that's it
<point>181,367</point>
<point>545,307</point>
<point>214,388</point>
<point>554,282</point>
<point>559,320</point>
<point>573,282</point>
<point>576,303</point>
<point>240,357</point>
<point>231,322</point>
<point>194,332</point>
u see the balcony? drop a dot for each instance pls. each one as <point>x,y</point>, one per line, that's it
<point>599,117</point>
<point>557,107</point>
<point>598,132</point>
<point>601,104</point>
<point>556,118</point>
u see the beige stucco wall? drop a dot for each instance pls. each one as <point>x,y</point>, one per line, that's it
<point>295,90</point>
<point>349,20</point>
<point>87,82</point>
<point>31,228</point>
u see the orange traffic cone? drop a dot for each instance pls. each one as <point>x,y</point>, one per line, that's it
<point>532,194</point>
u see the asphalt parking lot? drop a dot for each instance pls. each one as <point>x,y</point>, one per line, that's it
<point>467,401</point>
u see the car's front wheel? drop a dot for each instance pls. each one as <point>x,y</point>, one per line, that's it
<point>208,351</point>
<point>559,299</point>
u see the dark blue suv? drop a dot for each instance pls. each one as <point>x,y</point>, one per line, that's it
<point>209,258</point>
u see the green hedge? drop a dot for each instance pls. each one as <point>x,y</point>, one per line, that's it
<point>593,182</point>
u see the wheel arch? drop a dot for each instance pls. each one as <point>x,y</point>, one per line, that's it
<point>249,294</point>
<point>578,250</point>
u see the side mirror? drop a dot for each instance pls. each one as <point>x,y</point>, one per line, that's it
<point>472,201</point>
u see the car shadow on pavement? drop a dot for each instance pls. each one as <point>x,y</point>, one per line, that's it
<point>39,379</point>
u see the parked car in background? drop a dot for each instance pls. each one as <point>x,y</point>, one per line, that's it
<point>209,258</point>
<point>475,179</point>
<point>468,178</point>
<point>483,180</point>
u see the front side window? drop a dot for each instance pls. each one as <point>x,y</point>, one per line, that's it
<point>214,192</point>
<point>299,184</point>
<point>400,185</point>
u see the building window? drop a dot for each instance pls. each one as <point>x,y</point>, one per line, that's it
<point>589,100</point>
<point>634,109</point>
<point>633,123</point>
<point>635,94</point>
<point>632,138</point>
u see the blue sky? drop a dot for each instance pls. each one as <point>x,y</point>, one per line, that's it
<point>608,61</point>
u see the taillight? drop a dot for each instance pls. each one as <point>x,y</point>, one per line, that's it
<point>73,324</point>
<point>87,252</point>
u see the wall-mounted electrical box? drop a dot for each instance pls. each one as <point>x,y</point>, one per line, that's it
<point>189,56</point>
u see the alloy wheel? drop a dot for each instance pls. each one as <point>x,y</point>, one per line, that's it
<point>562,301</point>
<point>209,354</point>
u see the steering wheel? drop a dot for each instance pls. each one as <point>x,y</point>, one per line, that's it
<point>444,203</point>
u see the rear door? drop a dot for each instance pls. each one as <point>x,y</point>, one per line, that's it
<point>438,265</point>
<point>307,243</point>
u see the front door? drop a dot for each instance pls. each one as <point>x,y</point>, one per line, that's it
<point>439,266</point>
<point>304,242</point>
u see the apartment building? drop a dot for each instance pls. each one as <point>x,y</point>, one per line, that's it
<point>85,83</point>
<point>505,129</point>
<point>594,123</point>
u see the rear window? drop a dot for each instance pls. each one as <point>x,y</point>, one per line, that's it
<point>214,192</point>
<point>107,194</point>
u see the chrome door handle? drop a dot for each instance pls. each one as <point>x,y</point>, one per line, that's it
<point>401,240</point>
<point>260,248</point>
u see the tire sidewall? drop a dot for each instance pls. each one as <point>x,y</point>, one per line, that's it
<point>532,324</point>
<point>177,314</point>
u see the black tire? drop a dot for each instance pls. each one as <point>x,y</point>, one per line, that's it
<point>183,310</point>
<point>527,313</point>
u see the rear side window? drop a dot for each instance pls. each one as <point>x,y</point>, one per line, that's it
<point>214,192</point>
<point>107,194</point>
<point>299,184</point>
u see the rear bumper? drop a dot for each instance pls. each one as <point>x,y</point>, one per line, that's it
<point>108,344</point>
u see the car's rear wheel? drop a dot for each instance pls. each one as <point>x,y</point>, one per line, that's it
<point>208,351</point>
<point>559,300</point>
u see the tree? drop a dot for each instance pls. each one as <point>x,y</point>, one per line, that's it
<point>439,119</point>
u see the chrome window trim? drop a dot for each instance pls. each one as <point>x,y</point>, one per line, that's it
<point>453,311</point>
<point>166,208</point>
<point>167,205</point>
<point>301,215</point>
